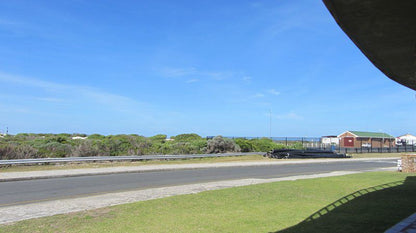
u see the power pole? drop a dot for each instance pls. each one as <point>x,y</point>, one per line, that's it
<point>270,128</point>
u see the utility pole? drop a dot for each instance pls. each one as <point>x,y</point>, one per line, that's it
<point>270,125</point>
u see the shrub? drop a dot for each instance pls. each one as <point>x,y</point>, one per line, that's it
<point>88,148</point>
<point>222,145</point>
<point>96,136</point>
<point>159,138</point>
<point>187,137</point>
<point>54,149</point>
<point>18,152</point>
<point>263,144</point>
<point>244,144</point>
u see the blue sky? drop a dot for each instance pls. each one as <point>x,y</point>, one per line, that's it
<point>206,67</point>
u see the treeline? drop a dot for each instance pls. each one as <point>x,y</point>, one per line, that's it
<point>22,146</point>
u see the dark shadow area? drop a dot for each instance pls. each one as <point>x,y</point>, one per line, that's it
<point>373,209</point>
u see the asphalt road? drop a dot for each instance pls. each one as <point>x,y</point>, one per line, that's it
<point>32,191</point>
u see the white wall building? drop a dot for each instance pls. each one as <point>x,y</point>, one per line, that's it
<point>407,139</point>
<point>329,140</point>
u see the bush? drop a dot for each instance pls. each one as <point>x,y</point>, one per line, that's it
<point>18,152</point>
<point>222,145</point>
<point>263,144</point>
<point>96,136</point>
<point>89,148</point>
<point>187,137</point>
<point>297,145</point>
<point>160,138</point>
<point>54,149</point>
<point>244,144</point>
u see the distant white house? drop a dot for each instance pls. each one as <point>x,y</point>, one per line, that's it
<point>330,140</point>
<point>406,139</point>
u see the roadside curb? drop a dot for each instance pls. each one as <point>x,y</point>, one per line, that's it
<point>20,176</point>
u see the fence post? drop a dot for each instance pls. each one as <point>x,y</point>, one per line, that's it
<point>286,141</point>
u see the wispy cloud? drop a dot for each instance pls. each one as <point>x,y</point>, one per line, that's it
<point>247,79</point>
<point>50,99</point>
<point>273,92</point>
<point>70,93</point>
<point>257,95</point>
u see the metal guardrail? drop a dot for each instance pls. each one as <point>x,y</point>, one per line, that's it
<point>117,158</point>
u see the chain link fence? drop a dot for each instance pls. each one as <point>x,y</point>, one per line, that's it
<point>316,143</point>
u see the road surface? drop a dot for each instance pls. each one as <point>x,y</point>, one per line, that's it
<point>34,191</point>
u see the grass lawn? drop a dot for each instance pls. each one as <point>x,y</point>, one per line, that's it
<point>274,207</point>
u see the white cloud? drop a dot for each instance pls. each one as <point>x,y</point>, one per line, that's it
<point>258,95</point>
<point>70,93</point>
<point>273,92</point>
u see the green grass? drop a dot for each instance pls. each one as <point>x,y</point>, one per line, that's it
<point>273,207</point>
<point>64,166</point>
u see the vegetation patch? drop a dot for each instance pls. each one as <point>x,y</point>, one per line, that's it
<point>65,166</point>
<point>367,202</point>
<point>24,146</point>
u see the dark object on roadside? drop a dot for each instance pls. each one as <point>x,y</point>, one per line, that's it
<point>303,154</point>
